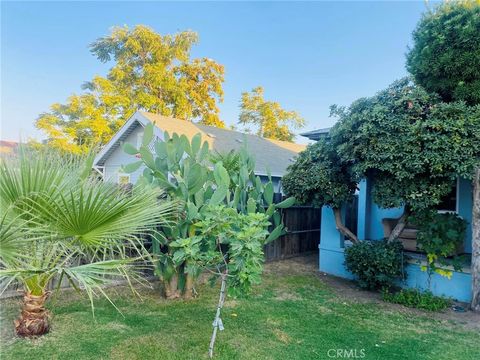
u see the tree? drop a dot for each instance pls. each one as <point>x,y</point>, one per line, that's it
<point>409,144</point>
<point>150,72</point>
<point>319,177</point>
<point>475,305</point>
<point>60,224</point>
<point>445,57</point>
<point>183,168</point>
<point>272,120</point>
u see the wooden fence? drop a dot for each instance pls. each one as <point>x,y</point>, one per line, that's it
<point>303,236</point>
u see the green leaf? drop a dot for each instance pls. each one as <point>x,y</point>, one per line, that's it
<point>275,234</point>
<point>221,175</point>
<point>268,193</point>
<point>251,206</point>
<point>195,178</point>
<point>132,167</point>
<point>219,195</point>
<point>147,134</point>
<point>147,157</point>
<point>286,203</point>
<point>192,210</point>
<point>270,210</point>
<point>196,143</point>
<point>130,149</point>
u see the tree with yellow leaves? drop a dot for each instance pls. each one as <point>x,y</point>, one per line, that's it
<point>150,72</point>
<point>271,119</point>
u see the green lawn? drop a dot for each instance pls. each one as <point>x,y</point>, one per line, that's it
<point>291,316</point>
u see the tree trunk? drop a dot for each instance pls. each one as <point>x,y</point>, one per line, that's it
<point>171,287</point>
<point>34,319</point>
<point>217,322</point>
<point>188,293</point>
<point>341,227</point>
<point>402,222</point>
<point>475,305</point>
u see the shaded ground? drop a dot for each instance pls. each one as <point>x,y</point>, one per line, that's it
<point>349,290</point>
<point>295,314</point>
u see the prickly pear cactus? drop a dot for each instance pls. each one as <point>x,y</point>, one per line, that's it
<point>180,166</point>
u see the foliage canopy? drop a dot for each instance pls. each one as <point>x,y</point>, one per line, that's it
<point>410,143</point>
<point>445,57</point>
<point>150,72</point>
<point>272,120</point>
<point>319,177</point>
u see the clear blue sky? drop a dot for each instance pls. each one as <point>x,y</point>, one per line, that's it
<point>306,55</point>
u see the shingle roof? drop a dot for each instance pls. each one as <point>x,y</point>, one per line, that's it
<point>269,154</point>
<point>273,155</point>
<point>316,134</point>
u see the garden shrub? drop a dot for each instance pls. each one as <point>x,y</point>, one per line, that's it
<point>440,235</point>
<point>377,264</point>
<point>417,299</point>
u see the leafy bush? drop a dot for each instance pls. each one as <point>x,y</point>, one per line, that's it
<point>377,264</point>
<point>440,235</point>
<point>417,299</point>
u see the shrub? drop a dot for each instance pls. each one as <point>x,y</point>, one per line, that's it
<point>440,235</point>
<point>417,299</point>
<point>377,264</point>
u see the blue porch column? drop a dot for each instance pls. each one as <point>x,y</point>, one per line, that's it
<point>464,208</point>
<point>364,209</point>
<point>331,248</point>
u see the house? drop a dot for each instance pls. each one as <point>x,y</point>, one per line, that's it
<point>272,156</point>
<point>8,148</point>
<point>369,222</point>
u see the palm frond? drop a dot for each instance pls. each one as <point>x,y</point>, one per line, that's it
<point>93,277</point>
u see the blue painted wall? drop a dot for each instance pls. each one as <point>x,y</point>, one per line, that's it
<point>370,215</point>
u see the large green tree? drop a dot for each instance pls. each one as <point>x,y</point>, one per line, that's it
<point>410,144</point>
<point>319,177</point>
<point>445,59</point>
<point>270,119</point>
<point>150,72</point>
<point>445,56</point>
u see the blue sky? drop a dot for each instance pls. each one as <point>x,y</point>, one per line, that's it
<point>306,55</point>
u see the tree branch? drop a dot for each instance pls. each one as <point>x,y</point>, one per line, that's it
<point>341,227</point>
<point>402,222</point>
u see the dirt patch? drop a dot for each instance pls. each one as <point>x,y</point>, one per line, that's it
<point>349,291</point>
<point>286,296</point>
<point>282,336</point>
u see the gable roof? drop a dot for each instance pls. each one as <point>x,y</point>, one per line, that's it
<point>269,154</point>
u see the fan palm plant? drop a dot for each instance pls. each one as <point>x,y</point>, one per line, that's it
<point>59,224</point>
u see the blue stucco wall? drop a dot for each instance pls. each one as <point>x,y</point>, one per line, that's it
<point>370,215</point>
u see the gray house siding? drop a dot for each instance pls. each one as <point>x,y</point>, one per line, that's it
<point>119,157</point>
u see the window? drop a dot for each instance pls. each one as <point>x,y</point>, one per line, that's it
<point>123,179</point>
<point>449,201</point>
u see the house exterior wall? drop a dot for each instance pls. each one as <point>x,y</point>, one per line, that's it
<point>119,157</point>
<point>370,215</point>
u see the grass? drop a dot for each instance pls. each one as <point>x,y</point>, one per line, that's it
<point>291,316</point>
